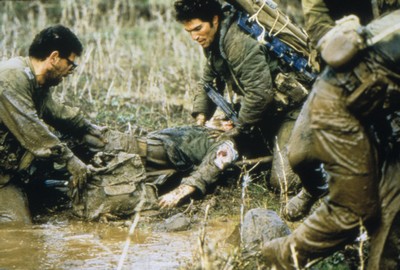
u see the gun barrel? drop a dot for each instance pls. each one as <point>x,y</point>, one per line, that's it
<point>219,100</point>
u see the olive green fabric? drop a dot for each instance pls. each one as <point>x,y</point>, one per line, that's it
<point>388,46</point>
<point>191,150</point>
<point>361,191</point>
<point>116,187</point>
<point>28,114</point>
<point>245,65</point>
<point>14,209</point>
<point>26,110</point>
<point>342,144</point>
<point>385,244</point>
<point>320,15</point>
<point>186,146</point>
<point>251,71</point>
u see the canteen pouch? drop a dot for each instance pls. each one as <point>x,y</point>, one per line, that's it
<point>342,43</point>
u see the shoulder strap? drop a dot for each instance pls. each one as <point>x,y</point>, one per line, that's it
<point>375,39</point>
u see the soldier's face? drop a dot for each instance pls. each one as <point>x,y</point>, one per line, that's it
<point>201,31</point>
<point>60,68</point>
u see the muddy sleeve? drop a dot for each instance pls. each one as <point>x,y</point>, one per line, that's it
<point>201,102</point>
<point>64,118</point>
<point>204,175</point>
<point>19,115</point>
<point>317,19</point>
<point>219,156</point>
<point>250,67</point>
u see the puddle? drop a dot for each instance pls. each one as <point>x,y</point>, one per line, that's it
<point>77,245</point>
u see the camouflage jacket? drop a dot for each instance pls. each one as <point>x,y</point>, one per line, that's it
<point>26,110</point>
<point>244,65</point>
<point>192,149</point>
<point>320,15</point>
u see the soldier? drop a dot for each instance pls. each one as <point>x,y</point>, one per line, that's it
<point>246,67</point>
<point>320,17</point>
<point>349,113</point>
<point>28,115</point>
<point>192,151</point>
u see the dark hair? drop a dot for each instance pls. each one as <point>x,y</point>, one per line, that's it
<point>204,10</point>
<point>55,38</point>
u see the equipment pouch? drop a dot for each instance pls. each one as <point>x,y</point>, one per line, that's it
<point>118,188</point>
<point>342,43</point>
<point>368,96</point>
<point>290,93</point>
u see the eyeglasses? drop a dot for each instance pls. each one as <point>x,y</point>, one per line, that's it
<point>72,64</point>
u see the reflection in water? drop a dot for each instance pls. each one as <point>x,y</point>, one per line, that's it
<point>79,245</point>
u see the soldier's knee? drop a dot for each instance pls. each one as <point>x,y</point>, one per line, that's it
<point>14,206</point>
<point>295,159</point>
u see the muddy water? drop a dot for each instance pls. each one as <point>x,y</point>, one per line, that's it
<point>77,245</point>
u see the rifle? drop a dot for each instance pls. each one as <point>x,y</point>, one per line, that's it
<point>220,101</point>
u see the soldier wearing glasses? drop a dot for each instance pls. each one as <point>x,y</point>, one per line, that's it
<point>29,116</point>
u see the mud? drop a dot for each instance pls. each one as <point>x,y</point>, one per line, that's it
<point>80,245</point>
<point>56,241</point>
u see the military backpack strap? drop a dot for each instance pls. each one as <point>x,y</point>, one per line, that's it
<point>344,41</point>
<point>265,22</point>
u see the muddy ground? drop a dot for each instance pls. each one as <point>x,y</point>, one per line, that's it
<point>202,233</point>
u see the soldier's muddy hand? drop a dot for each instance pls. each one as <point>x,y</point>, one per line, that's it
<point>236,131</point>
<point>94,137</point>
<point>230,134</point>
<point>94,143</point>
<point>79,172</point>
<point>96,130</point>
<point>172,198</point>
<point>201,119</point>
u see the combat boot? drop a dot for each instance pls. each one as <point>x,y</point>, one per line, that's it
<point>299,206</point>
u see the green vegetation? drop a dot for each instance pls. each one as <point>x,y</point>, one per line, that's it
<point>138,67</point>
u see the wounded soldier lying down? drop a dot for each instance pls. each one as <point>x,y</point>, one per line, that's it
<point>199,153</point>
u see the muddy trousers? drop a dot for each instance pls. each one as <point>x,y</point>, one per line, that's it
<point>151,151</point>
<point>282,176</point>
<point>302,157</point>
<point>385,241</point>
<point>341,143</point>
<point>13,205</point>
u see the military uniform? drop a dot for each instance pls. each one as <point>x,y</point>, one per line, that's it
<point>190,150</point>
<point>320,15</point>
<point>26,110</point>
<point>342,107</point>
<point>250,71</point>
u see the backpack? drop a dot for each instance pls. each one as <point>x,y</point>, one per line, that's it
<point>342,43</point>
<point>264,21</point>
<point>116,188</point>
<point>348,38</point>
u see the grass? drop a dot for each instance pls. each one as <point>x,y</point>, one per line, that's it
<point>138,66</point>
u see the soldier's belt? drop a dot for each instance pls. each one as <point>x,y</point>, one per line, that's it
<point>352,80</point>
<point>155,151</point>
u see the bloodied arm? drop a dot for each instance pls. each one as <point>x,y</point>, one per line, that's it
<point>219,157</point>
